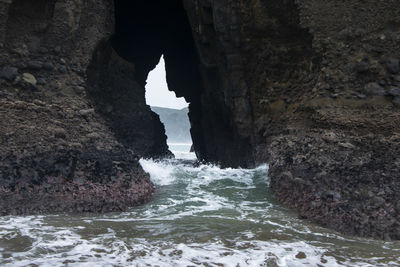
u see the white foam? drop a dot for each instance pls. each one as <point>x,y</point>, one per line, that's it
<point>160,172</point>
<point>203,218</point>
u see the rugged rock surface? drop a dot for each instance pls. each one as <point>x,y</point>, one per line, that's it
<point>61,148</point>
<point>310,86</point>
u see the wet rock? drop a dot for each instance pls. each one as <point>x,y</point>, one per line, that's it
<point>39,103</point>
<point>93,136</point>
<point>393,65</point>
<point>299,181</point>
<point>271,262</point>
<point>43,50</point>
<point>378,201</point>
<point>57,49</point>
<point>41,81</point>
<point>86,112</point>
<point>79,89</point>
<point>361,96</point>
<point>35,65</point>
<point>301,255</point>
<point>48,66</point>
<point>331,195</point>
<point>21,65</point>
<point>374,89</point>
<point>9,73</point>
<point>346,145</point>
<point>60,133</point>
<point>29,78</point>
<point>309,78</point>
<point>361,67</point>
<point>398,207</point>
<point>396,101</point>
<point>62,69</point>
<point>80,72</point>
<point>394,91</point>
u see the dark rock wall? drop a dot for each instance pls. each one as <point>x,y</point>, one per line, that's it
<point>312,88</point>
<point>58,152</point>
<point>222,117</point>
<point>121,101</point>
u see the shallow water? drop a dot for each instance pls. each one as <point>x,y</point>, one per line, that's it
<point>199,216</point>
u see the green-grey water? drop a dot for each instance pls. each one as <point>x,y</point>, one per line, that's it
<point>200,216</point>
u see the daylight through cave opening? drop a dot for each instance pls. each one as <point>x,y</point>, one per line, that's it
<point>147,30</point>
<point>173,111</point>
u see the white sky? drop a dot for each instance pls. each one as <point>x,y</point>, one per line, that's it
<point>157,93</point>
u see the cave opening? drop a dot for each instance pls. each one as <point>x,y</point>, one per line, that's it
<point>149,30</point>
<point>173,111</point>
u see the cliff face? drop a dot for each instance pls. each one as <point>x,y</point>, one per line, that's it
<point>61,148</point>
<point>311,87</point>
<point>322,81</point>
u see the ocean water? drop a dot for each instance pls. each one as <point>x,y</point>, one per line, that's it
<point>200,215</point>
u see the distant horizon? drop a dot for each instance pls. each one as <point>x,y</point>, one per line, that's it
<point>168,107</point>
<point>157,93</point>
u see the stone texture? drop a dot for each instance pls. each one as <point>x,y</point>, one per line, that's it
<point>48,160</point>
<point>267,81</point>
<point>286,82</point>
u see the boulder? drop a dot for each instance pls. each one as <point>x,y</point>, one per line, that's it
<point>9,73</point>
<point>393,65</point>
<point>29,78</point>
<point>374,89</point>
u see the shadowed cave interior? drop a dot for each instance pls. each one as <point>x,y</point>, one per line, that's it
<point>146,30</point>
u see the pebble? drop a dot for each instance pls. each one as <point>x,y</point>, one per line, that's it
<point>57,49</point>
<point>393,65</point>
<point>41,81</point>
<point>62,69</point>
<point>38,102</point>
<point>35,65</point>
<point>301,255</point>
<point>48,66</point>
<point>80,72</point>
<point>60,133</point>
<point>394,91</point>
<point>9,73</point>
<point>346,145</point>
<point>361,96</point>
<point>86,112</point>
<point>271,262</point>
<point>79,89</point>
<point>29,78</point>
<point>21,65</point>
<point>43,50</point>
<point>398,206</point>
<point>362,67</point>
<point>93,136</point>
<point>309,78</point>
<point>378,201</point>
<point>374,89</point>
<point>396,101</point>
